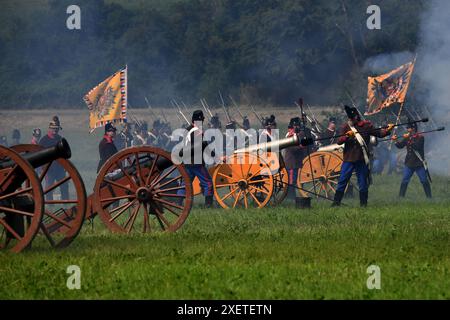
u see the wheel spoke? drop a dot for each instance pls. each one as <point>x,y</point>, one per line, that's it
<point>117,185</point>
<point>168,203</point>
<point>139,170</point>
<point>170,209</point>
<point>126,174</point>
<point>171,195</point>
<point>245,200</point>
<point>131,196</point>
<point>60,201</point>
<point>134,216</point>
<point>172,169</point>
<point>25,213</point>
<point>254,198</point>
<point>224,175</point>
<point>237,198</point>
<point>57,184</point>
<point>168,182</point>
<point>8,175</point>
<point>170,189</point>
<point>6,196</point>
<point>146,224</point>
<point>121,210</point>
<point>161,219</point>
<point>58,219</point>
<point>10,229</point>
<point>44,171</point>
<point>147,181</point>
<point>229,194</point>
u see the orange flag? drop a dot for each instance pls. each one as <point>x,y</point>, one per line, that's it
<point>388,89</point>
<point>107,102</point>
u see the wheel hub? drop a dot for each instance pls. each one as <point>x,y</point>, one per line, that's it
<point>143,194</point>
<point>242,184</point>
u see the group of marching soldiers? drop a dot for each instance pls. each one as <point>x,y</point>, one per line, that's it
<point>354,135</point>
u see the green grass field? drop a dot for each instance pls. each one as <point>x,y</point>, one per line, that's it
<point>273,253</point>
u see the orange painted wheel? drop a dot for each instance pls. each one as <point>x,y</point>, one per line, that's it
<point>21,201</point>
<point>141,189</point>
<point>323,179</point>
<point>243,181</point>
<point>63,218</point>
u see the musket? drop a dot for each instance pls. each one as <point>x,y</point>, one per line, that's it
<point>225,108</point>
<point>421,132</point>
<point>316,123</point>
<point>304,115</point>
<point>180,111</point>
<point>257,116</point>
<point>353,102</point>
<point>208,111</point>
<point>236,107</point>
<point>132,116</point>
<point>151,109</point>
<point>311,141</point>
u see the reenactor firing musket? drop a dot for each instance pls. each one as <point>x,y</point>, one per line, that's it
<point>311,141</point>
<point>422,132</point>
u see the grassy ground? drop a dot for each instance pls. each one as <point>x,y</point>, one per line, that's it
<point>274,253</point>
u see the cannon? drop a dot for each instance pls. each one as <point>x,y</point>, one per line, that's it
<point>138,189</point>
<point>252,177</point>
<point>27,205</point>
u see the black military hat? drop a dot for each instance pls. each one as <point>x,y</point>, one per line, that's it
<point>198,116</point>
<point>351,112</point>
<point>143,126</point>
<point>332,119</point>
<point>110,127</point>
<point>294,122</point>
<point>270,121</point>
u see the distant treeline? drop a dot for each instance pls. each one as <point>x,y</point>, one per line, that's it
<point>260,51</point>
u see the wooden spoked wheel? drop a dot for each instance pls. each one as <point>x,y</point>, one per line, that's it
<point>280,176</point>
<point>21,201</point>
<point>243,181</point>
<point>281,185</point>
<point>141,189</point>
<point>64,198</point>
<point>326,168</point>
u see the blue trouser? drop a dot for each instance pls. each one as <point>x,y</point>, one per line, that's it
<point>362,173</point>
<point>199,171</point>
<point>377,166</point>
<point>408,173</point>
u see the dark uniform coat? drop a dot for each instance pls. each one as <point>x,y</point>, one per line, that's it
<point>352,150</point>
<point>415,142</point>
<point>107,149</point>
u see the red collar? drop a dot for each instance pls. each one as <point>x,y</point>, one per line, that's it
<point>108,138</point>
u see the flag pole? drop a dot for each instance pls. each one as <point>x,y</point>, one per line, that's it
<point>402,105</point>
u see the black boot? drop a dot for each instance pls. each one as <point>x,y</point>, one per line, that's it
<point>427,189</point>
<point>208,201</point>
<point>403,188</point>
<point>363,196</point>
<point>337,198</point>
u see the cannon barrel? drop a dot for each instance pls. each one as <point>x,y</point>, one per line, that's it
<point>277,145</point>
<point>44,156</point>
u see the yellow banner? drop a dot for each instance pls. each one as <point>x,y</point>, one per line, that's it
<point>107,102</point>
<point>388,89</point>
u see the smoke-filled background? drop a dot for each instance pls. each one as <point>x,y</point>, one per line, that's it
<point>261,52</point>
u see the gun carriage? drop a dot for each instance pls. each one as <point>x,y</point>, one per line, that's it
<point>138,189</point>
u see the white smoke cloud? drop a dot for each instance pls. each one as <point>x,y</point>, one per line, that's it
<point>383,63</point>
<point>433,71</point>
